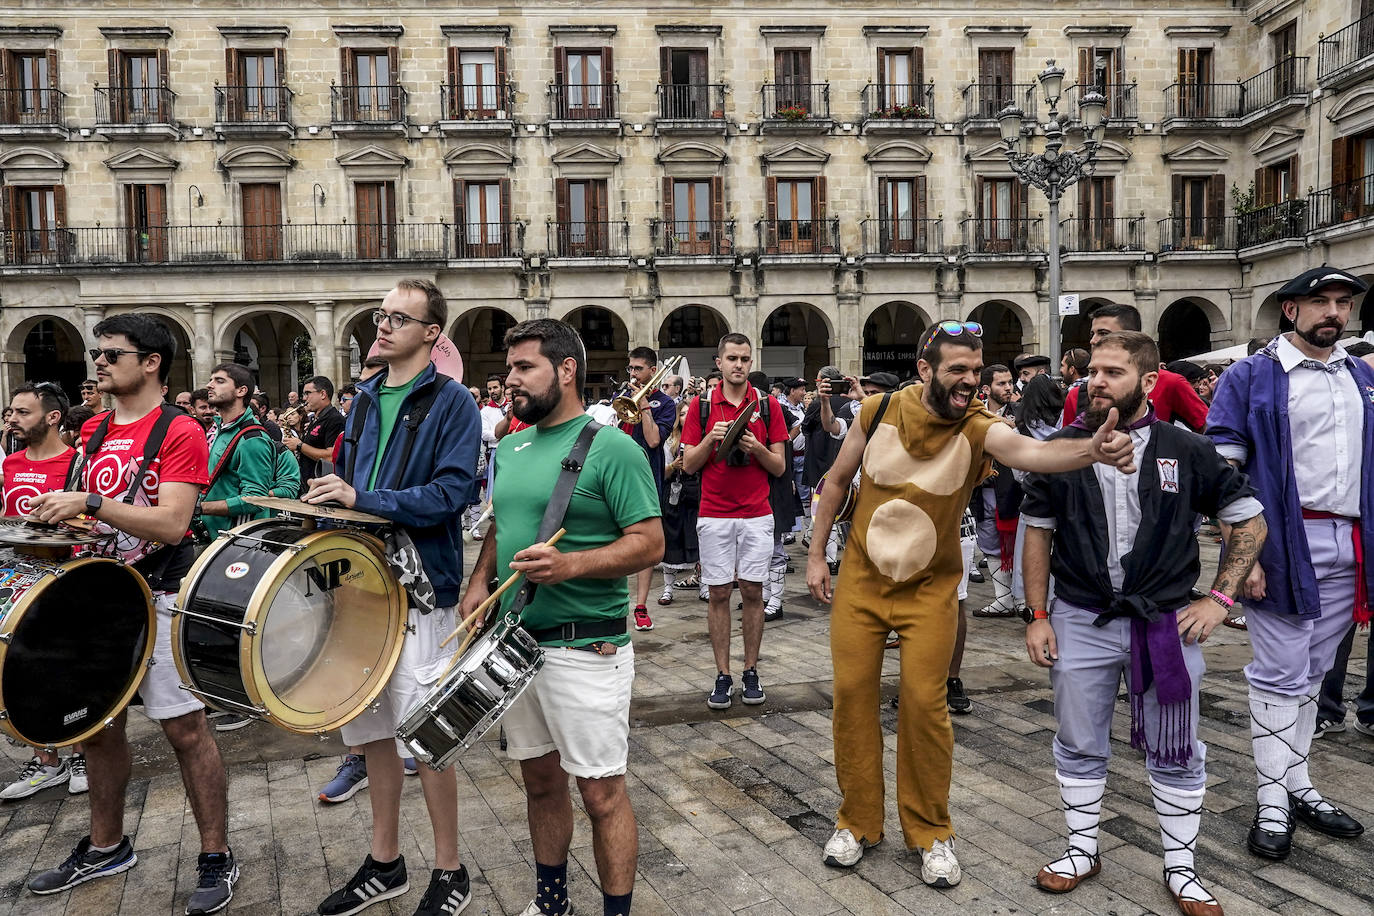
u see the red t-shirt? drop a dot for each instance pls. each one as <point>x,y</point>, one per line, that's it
<point>26,478</point>
<point>183,458</point>
<point>516,424</point>
<point>1173,398</point>
<point>734,492</point>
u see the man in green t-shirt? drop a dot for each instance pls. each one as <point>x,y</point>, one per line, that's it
<point>575,716</point>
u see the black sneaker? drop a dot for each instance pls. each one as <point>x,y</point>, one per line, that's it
<point>365,888</point>
<point>1327,726</point>
<point>218,871</point>
<point>449,893</point>
<point>975,576</point>
<point>84,864</point>
<point>955,698</point>
<point>772,614</point>
<point>720,697</point>
<point>752,694</point>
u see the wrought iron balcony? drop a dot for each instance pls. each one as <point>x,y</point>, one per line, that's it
<point>1286,79</point>
<point>799,236</point>
<point>41,109</point>
<point>1203,102</point>
<point>477,102</point>
<point>489,240</point>
<point>693,237</point>
<point>1197,233</point>
<point>899,104</point>
<point>702,102</point>
<point>254,110</point>
<point>1002,236</point>
<point>1286,219</point>
<point>797,104</point>
<point>358,104</point>
<point>983,101</point>
<point>584,101</point>
<point>1341,203</point>
<point>902,235</point>
<point>1346,55</point>
<point>121,105</point>
<point>1102,234</point>
<point>585,239</point>
<point>1121,107</point>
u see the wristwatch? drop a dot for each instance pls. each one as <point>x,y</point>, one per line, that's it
<point>93,503</point>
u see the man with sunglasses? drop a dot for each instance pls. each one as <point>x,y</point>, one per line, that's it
<point>143,493</point>
<point>409,454</point>
<point>90,396</point>
<point>921,451</point>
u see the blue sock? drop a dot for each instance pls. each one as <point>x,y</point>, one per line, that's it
<point>616,904</point>
<point>551,890</point>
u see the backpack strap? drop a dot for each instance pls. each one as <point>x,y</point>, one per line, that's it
<point>412,420</point>
<point>253,429</point>
<point>156,436</point>
<point>878,415</point>
<point>357,419</point>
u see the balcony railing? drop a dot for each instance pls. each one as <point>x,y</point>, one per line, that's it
<point>693,237</point>
<point>903,235</point>
<point>477,101</point>
<point>490,240</point>
<point>253,104</point>
<point>1345,49</point>
<point>1120,99</point>
<point>898,102</point>
<point>1286,219</point>
<point>983,101</point>
<point>799,236</point>
<point>1202,101</point>
<point>366,104</point>
<point>227,244</point>
<point>580,239</point>
<point>123,105</point>
<point>796,102</point>
<point>1197,233</point>
<point>33,107</point>
<point>1280,81</point>
<point>584,101</point>
<point>1104,234</point>
<point>691,101</point>
<point>1002,236</point>
<point>1341,203</point>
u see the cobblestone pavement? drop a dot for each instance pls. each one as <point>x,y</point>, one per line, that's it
<point>733,806</point>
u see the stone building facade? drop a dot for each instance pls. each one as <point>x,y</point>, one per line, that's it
<point>827,181</point>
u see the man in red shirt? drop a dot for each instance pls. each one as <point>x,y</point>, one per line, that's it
<point>1173,398</point>
<point>145,500</point>
<point>735,523</point>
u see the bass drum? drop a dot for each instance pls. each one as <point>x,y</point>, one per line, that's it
<point>297,626</point>
<point>75,639</point>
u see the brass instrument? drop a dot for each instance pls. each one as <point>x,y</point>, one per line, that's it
<point>627,405</point>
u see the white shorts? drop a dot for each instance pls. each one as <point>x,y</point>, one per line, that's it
<point>735,548</point>
<point>161,690</point>
<point>420,666</point>
<point>578,705</point>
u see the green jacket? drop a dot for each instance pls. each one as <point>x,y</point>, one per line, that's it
<point>248,472</point>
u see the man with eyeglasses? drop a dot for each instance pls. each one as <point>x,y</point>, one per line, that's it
<point>921,450</point>
<point>321,430</point>
<point>148,520</point>
<point>409,455</point>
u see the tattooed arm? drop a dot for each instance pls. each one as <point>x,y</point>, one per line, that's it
<point>1243,542</point>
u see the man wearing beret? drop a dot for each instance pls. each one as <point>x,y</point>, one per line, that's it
<point>1298,418</point>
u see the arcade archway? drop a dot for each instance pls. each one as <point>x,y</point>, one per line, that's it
<point>1003,332</point>
<point>480,334</point>
<point>276,348</point>
<point>892,334</point>
<point>694,332</point>
<point>607,340</point>
<point>52,351</point>
<point>795,342</point>
<point>1184,330</point>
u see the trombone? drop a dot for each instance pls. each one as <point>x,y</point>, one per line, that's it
<point>628,404</point>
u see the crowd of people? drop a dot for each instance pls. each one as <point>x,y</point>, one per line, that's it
<point>1083,492</point>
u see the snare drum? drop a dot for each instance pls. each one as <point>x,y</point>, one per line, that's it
<point>297,626</point>
<point>75,639</point>
<point>473,695</point>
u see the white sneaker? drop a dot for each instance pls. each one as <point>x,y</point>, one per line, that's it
<point>533,910</point>
<point>76,765</point>
<point>939,867</point>
<point>842,850</point>
<point>35,777</point>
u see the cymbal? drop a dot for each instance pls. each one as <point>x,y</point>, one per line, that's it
<point>299,507</point>
<point>33,533</point>
<point>734,433</point>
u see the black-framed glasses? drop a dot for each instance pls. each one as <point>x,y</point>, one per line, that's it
<point>112,354</point>
<point>396,320</point>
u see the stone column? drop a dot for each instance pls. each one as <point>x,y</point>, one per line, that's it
<point>642,329</point>
<point>322,341</point>
<point>847,350</point>
<point>203,344</point>
<point>343,358</point>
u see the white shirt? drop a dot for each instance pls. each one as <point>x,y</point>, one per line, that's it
<point>1326,425</point>
<point>491,418</point>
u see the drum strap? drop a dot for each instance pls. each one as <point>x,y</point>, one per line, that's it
<point>878,414</point>
<point>557,506</point>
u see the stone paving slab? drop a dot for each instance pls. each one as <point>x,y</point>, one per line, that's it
<point>734,806</point>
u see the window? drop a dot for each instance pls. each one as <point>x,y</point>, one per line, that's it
<point>369,85</point>
<point>995,75</point>
<point>1194,82</point>
<point>900,77</point>
<point>1101,69</point>
<point>137,83</point>
<point>685,77</point>
<point>145,218</point>
<point>902,214</point>
<point>584,87</point>
<point>477,81</point>
<point>262,223</point>
<point>1199,208</point>
<point>694,216</point>
<point>792,67</point>
<point>1276,183</point>
<point>582,224</point>
<point>376,209</point>
<point>1285,44</point>
<point>1352,176</point>
<point>483,212</point>
<point>254,91</point>
<point>1096,213</point>
<point>27,87</point>
<point>795,222</point>
<point>1002,221</point>
<point>34,217</point>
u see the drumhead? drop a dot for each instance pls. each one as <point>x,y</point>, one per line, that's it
<point>78,646</point>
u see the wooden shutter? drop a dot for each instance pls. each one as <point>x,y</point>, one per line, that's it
<point>233,84</point>
<point>163,76</point>
<point>279,58</point>
<point>1085,204</point>
<point>608,99</point>
<point>1216,208</point>
<point>454,96</point>
<point>668,216</point>
<point>502,98</point>
<point>13,224</point>
<point>460,204</point>
<point>665,66</point>
<point>560,83</point>
<point>881,81</point>
<point>156,198</point>
<point>1263,187</point>
<point>112,72</point>
<point>770,217</point>
<point>1294,174</point>
<point>918,75</point>
<point>348,81</point>
<point>921,207</point>
<point>59,206</point>
<point>1108,199</point>
<point>1085,66</point>
<point>1340,160</point>
<point>503,190</point>
<point>560,215</point>
<point>346,77</point>
<point>825,241</point>
<point>6,66</point>
<point>884,200</point>
<point>601,238</point>
<point>393,61</point>
<point>1187,66</point>
<point>9,102</point>
<point>718,236</point>
<point>53,82</point>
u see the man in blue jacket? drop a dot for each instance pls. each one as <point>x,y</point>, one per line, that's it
<point>1298,418</point>
<point>416,468</point>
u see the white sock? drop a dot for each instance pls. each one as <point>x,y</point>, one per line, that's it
<point>772,589</point>
<point>1082,813</point>
<point>1180,815</point>
<point>1001,587</point>
<point>1298,781</point>
<point>1273,727</point>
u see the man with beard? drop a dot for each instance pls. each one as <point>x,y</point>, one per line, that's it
<point>241,456</point>
<point>40,465</point>
<point>575,717</point>
<point>996,502</point>
<point>922,451</point>
<point>1124,555</point>
<point>1298,418</point>
<point>322,428</point>
<point>145,462</point>
<point>408,455</point>
<point>201,411</point>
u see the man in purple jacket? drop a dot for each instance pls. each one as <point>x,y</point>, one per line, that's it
<point>1298,418</point>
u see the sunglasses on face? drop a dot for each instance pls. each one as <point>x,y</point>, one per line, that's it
<point>112,355</point>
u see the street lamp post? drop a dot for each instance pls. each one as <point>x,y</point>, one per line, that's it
<point>1055,169</point>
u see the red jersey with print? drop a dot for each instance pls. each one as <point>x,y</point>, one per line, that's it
<point>728,491</point>
<point>183,458</point>
<point>26,478</point>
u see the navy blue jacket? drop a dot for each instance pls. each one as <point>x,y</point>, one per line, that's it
<point>427,496</point>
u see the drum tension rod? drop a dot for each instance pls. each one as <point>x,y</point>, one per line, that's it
<point>251,628</point>
<point>294,548</point>
<point>225,701</point>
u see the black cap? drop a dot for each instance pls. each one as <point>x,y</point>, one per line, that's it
<point>883,380</point>
<point>1030,362</point>
<point>794,383</point>
<point>1189,370</point>
<point>1309,281</point>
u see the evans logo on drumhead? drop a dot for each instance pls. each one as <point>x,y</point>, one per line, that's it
<point>236,570</point>
<point>77,716</point>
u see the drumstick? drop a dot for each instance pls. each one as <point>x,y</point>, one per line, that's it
<point>492,599</point>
